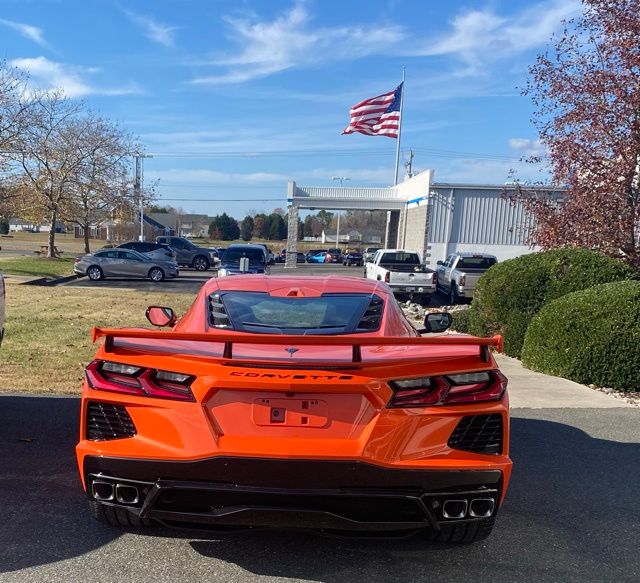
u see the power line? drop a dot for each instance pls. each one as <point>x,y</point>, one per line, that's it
<point>163,199</point>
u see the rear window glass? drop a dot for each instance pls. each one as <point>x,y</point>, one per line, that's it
<point>329,313</point>
<point>234,255</point>
<point>408,258</point>
<point>475,262</point>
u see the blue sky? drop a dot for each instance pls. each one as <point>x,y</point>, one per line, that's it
<point>234,98</point>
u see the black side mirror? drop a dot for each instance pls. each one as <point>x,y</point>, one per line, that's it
<point>160,316</point>
<point>439,262</point>
<point>437,322</point>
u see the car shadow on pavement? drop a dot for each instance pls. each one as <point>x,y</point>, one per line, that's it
<point>572,513</point>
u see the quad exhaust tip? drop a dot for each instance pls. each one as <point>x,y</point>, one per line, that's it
<point>481,507</point>
<point>454,508</point>
<point>126,494</point>
<point>102,490</point>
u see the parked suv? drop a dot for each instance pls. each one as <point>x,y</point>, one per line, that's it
<point>188,254</point>
<point>157,251</point>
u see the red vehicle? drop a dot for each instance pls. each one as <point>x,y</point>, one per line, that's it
<point>297,402</point>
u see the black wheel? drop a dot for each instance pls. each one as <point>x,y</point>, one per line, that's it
<point>156,274</point>
<point>116,516</point>
<point>201,263</point>
<point>463,534</point>
<point>94,273</point>
<point>453,295</point>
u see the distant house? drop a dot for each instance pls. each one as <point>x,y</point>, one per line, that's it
<point>353,237</point>
<point>17,224</point>
<point>187,225</point>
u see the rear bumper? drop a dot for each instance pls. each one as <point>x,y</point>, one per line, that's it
<point>337,495</point>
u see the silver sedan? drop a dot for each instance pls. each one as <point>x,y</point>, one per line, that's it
<point>123,263</point>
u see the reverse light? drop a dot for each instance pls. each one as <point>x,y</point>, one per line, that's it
<point>472,387</point>
<point>136,380</point>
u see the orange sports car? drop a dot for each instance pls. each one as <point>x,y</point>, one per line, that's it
<point>296,402</point>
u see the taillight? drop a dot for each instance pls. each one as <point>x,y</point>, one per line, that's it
<point>387,277</point>
<point>446,390</point>
<point>77,260</point>
<point>137,380</point>
<point>462,279</point>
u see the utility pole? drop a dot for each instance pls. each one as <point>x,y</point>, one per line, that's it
<point>138,186</point>
<point>409,164</point>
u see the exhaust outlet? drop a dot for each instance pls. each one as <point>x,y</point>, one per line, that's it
<point>454,508</point>
<point>481,507</point>
<point>126,494</point>
<point>102,490</point>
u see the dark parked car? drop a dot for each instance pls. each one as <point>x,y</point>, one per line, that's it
<point>157,251</point>
<point>334,255</point>
<point>353,258</point>
<point>189,255</point>
<point>230,262</point>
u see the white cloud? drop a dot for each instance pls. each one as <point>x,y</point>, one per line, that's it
<point>528,147</point>
<point>290,41</point>
<point>479,36</point>
<point>156,31</point>
<point>51,75</point>
<point>214,177</point>
<point>33,33</point>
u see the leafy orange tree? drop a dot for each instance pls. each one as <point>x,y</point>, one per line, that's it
<point>586,94</point>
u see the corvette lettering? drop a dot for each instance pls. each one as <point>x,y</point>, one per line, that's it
<point>297,377</point>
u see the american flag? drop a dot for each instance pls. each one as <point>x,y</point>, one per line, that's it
<point>377,116</point>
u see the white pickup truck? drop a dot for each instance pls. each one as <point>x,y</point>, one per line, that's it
<point>403,272</point>
<point>459,273</point>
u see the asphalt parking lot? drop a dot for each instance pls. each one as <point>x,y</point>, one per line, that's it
<point>191,281</point>
<point>572,514</point>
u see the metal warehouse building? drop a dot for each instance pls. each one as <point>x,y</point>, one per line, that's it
<point>433,218</point>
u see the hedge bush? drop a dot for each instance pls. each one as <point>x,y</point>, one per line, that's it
<point>590,336</point>
<point>460,321</point>
<point>509,294</point>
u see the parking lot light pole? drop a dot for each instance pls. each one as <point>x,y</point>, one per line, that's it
<point>341,179</point>
<point>138,186</point>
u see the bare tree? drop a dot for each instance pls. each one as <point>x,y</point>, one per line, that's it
<point>51,155</point>
<point>15,112</point>
<point>100,183</point>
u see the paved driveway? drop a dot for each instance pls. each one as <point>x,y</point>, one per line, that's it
<point>191,281</point>
<point>572,513</point>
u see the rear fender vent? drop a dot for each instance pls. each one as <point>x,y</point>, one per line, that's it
<point>372,317</point>
<point>218,317</point>
<point>478,434</point>
<point>108,421</point>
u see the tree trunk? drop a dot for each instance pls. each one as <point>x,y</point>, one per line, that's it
<point>51,252</point>
<point>86,238</point>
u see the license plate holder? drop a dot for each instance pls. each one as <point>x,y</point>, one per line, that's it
<point>270,412</point>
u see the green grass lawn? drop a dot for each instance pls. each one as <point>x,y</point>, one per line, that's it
<point>37,266</point>
<point>47,342</point>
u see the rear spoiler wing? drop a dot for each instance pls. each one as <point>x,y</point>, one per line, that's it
<point>229,339</point>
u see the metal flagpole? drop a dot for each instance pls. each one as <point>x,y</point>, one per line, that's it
<point>399,128</point>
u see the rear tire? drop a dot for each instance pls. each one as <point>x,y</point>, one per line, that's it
<point>201,263</point>
<point>116,516</point>
<point>453,295</point>
<point>463,534</point>
<point>94,273</point>
<point>156,274</point>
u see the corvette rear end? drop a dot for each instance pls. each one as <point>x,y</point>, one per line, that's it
<point>344,419</point>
